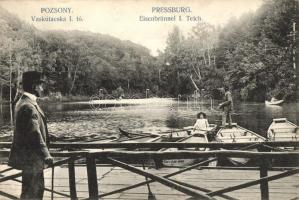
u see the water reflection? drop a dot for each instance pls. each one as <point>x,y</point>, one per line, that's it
<point>4,115</point>
<point>79,119</point>
<point>1,115</point>
<point>273,111</point>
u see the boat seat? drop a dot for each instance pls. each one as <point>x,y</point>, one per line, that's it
<point>284,130</point>
<point>280,120</point>
<point>236,134</point>
<point>247,137</point>
<point>282,127</point>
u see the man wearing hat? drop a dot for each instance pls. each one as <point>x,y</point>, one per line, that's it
<point>227,107</point>
<point>29,151</point>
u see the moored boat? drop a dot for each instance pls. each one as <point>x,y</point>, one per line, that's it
<point>185,135</point>
<point>236,133</point>
<point>167,136</point>
<point>211,127</point>
<point>282,129</point>
<point>209,131</point>
<point>275,102</point>
<point>195,137</point>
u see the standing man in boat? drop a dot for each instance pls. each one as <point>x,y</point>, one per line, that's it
<point>227,107</point>
<point>29,151</point>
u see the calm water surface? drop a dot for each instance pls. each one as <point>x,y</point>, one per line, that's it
<point>84,120</point>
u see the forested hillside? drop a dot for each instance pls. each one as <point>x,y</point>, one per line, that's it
<point>74,63</point>
<point>252,54</point>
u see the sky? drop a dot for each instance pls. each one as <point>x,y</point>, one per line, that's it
<point>121,18</point>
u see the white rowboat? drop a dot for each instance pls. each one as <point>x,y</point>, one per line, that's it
<point>282,129</point>
<point>278,102</point>
<point>236,133</point>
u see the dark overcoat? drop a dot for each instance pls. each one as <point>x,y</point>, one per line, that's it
<point>227,105</point>
<point>30,141</point>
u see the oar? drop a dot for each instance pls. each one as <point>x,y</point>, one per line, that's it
<point>125,133</point>
<point>153,134</point>
<point>177,130</point>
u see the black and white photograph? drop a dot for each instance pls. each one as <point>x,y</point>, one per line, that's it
<point>149,100</point>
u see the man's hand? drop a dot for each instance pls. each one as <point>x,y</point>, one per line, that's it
<point>49,160</point>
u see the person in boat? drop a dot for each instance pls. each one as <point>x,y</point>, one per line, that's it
<point>226,107</point>
<point>273,99</point>
<point>29,151</point>
<point>201,122</point>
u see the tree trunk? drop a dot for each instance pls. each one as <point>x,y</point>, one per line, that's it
<point>18,84</point>
<point>204,58</point>
<point>214,61</point>
<point>1,100</point>
<point>1,96</point>
<point>10,92</point>
<point>73,82</point>
<point>209,57</point>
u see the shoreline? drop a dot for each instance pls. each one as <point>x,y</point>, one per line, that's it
<point>110,99</point>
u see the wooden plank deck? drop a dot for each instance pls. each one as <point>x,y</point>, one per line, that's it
<point>111,178</point>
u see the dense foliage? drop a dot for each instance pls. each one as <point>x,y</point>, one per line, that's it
<point>253,54</point>
<point>74,62</point>
<point>257,50</point>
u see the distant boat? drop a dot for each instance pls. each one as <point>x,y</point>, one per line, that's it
<point>274,102</point>
<point>282,129</point>
<point>236,133</point>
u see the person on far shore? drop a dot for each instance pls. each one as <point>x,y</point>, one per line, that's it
<point>201,122</point>
<point>227,107</point>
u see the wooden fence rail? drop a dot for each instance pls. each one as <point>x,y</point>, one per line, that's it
<point>141,155</point>
<point>159,145</point>
<point>111,156</point>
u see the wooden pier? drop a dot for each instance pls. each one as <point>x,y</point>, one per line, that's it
<point>111,178</point>
<point>104,175</point>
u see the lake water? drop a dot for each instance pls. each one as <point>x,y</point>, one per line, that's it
<point>85,120</point>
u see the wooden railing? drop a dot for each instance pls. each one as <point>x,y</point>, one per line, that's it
<point>99,145</point>
<point>101,154</point>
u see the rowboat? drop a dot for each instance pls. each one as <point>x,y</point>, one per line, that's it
<point>196,137</point>
<point>211,128</point>
<point>236,133</point>
<point>184,135</point>
<point>209,131</point>
<point>276,102</point>
<point>282,129</point>
<point>167,136</point>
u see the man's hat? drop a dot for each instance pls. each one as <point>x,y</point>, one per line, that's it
<point>32,77</point>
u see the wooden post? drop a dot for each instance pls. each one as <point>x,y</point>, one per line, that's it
<point>92,177</point>
<point>264,173</point>
<point>72,180</point>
